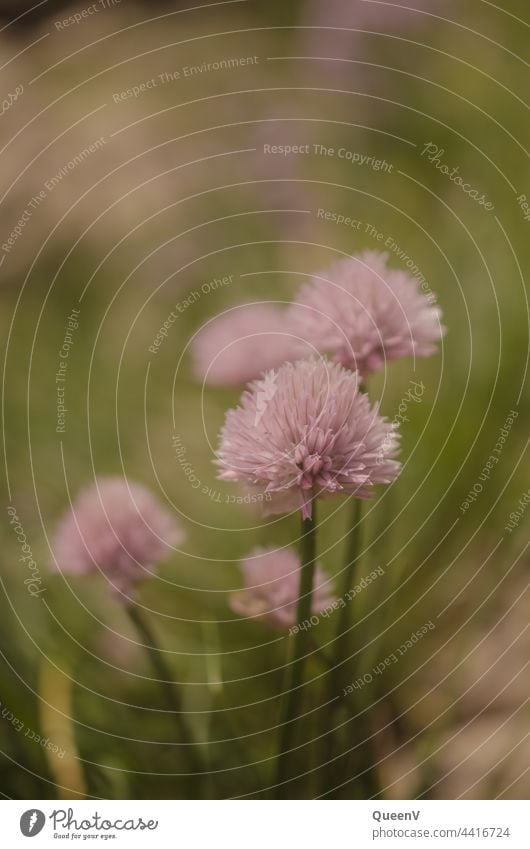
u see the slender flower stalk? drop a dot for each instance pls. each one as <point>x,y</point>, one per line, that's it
<point>361,757</point>
<point>367,780</point>
<point>164,677</point>
<point>300,648</point>
<point>363,765</point>
<point>349,574</point>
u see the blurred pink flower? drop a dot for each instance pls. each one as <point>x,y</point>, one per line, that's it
<point>272,581</point>
<point>341,52</point>
<point>365,313</point>
<point>242,343</point>
<point>315,435</point>
<point>117,527</point>
<point>387,14</point>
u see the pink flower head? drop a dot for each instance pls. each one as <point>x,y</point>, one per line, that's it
<point>365,313</point>
<point>117,527</point>
<point>242,343</point>
<point>306,431</point>
<point>272,582</point>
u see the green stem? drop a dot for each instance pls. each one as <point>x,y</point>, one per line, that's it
<point>300,649</point>
<point>364,754</point>
<point>353,547</point>
<point>164,676</point>
<point>242,748</point>
<point>353,554</point>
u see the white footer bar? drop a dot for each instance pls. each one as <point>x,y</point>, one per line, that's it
<point>265,824</point>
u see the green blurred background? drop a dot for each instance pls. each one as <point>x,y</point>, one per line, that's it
<point>179,193</point>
